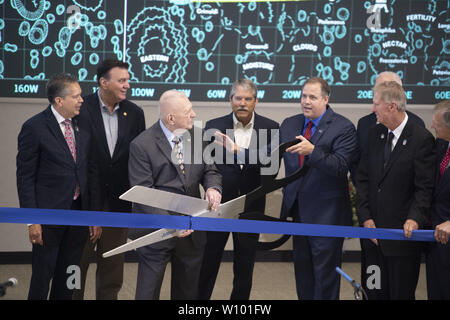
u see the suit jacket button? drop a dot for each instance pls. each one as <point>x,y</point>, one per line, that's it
<point>379,190</point>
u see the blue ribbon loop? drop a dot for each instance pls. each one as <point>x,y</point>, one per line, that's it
<point>133,220</point>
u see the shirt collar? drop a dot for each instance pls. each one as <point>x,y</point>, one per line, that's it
<point>398,131</point>
<point>237,123</point>
<point>315,121</point>
<point>169,134</point>
<point>103,105</point>
<point>58,117</point>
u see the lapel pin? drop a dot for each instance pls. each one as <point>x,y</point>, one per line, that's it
<point>382,136</point>
<point>404,142</point>
<point>125,114</point>
<point>320,130</point>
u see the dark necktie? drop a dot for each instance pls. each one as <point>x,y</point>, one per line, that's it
<point>68,135</point>
<point>307,135</point>
<point>388,147</point>
<point>444,162</point>
<point>178,153</point>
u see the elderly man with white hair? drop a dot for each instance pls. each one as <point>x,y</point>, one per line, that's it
<point>159,158</point>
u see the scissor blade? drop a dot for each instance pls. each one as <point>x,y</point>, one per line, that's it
<point>228,210</point>
<point>157,236</point>
<point>165,200</point>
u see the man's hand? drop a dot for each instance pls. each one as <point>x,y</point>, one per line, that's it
<point>303,148</point>
<point>369,223</point>
<point>409,226</point>
<point>184,233</point>
<point>95,233</point>
<point>35,234</point>
<point>226,141</point>
<point>442,232</point>
<point>214,197</point>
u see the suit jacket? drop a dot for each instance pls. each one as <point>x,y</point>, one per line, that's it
<point>322,194</point>
<point>112,180</point>
<point>150,165</point>
<point>46,171</point>
<point>441,200</point>
<point>403,189</point>
<point>237,181</point>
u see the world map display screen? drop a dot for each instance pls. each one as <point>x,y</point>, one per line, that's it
<point>202,47</point>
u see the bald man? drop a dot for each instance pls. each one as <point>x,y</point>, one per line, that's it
<point>162,157</point>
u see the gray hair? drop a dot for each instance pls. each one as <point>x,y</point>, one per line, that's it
<point>389,76</point>
<point>391,91</point>
<point>444,106</point>
<point>166,105</point>
<point>247,84</point>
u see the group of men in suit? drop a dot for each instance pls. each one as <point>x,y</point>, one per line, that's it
<point>74,155</point>
<point>89,157</point>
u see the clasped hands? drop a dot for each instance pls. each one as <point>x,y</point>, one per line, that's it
<point>408,228</point>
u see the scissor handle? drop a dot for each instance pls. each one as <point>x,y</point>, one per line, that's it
<point>269,183</point>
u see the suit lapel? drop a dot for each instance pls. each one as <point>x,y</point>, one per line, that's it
<point>166,149</point>
<point>441,151</point>
<point>401,144</point>
<point>98,125</point>
<point>55,129</point>
<point>122,115</point>
<point>322,126</point>
<point>78,138</point>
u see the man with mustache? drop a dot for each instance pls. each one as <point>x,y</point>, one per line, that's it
<point>241,131</point>
<point>328,147</point>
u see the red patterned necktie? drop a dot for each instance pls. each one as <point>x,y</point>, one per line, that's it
<point>444,162</point>
<point>307,135</point>
<point>68,135</point>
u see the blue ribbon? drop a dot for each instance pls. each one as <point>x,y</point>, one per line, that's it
<point>133,220</point>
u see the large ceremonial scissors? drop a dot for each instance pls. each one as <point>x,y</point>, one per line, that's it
<point>196,207</point>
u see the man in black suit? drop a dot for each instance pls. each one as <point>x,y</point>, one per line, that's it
<point>115,122</point>
<point>159,158</point>
<point>249,131</point>
<point>394,182</point>
<point>52,173</point>
<point>438,257</point>
<point>362,132</point>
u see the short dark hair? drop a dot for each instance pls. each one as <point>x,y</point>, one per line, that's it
<point>444,106</point>
<point>57,85</point>
<point>108,64</point>
<point>325,88</point>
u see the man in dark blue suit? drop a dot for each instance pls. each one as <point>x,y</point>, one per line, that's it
<point>52,173</point>
<point>244,132</point>
<point>438,258</point>
<point>328,147</point>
